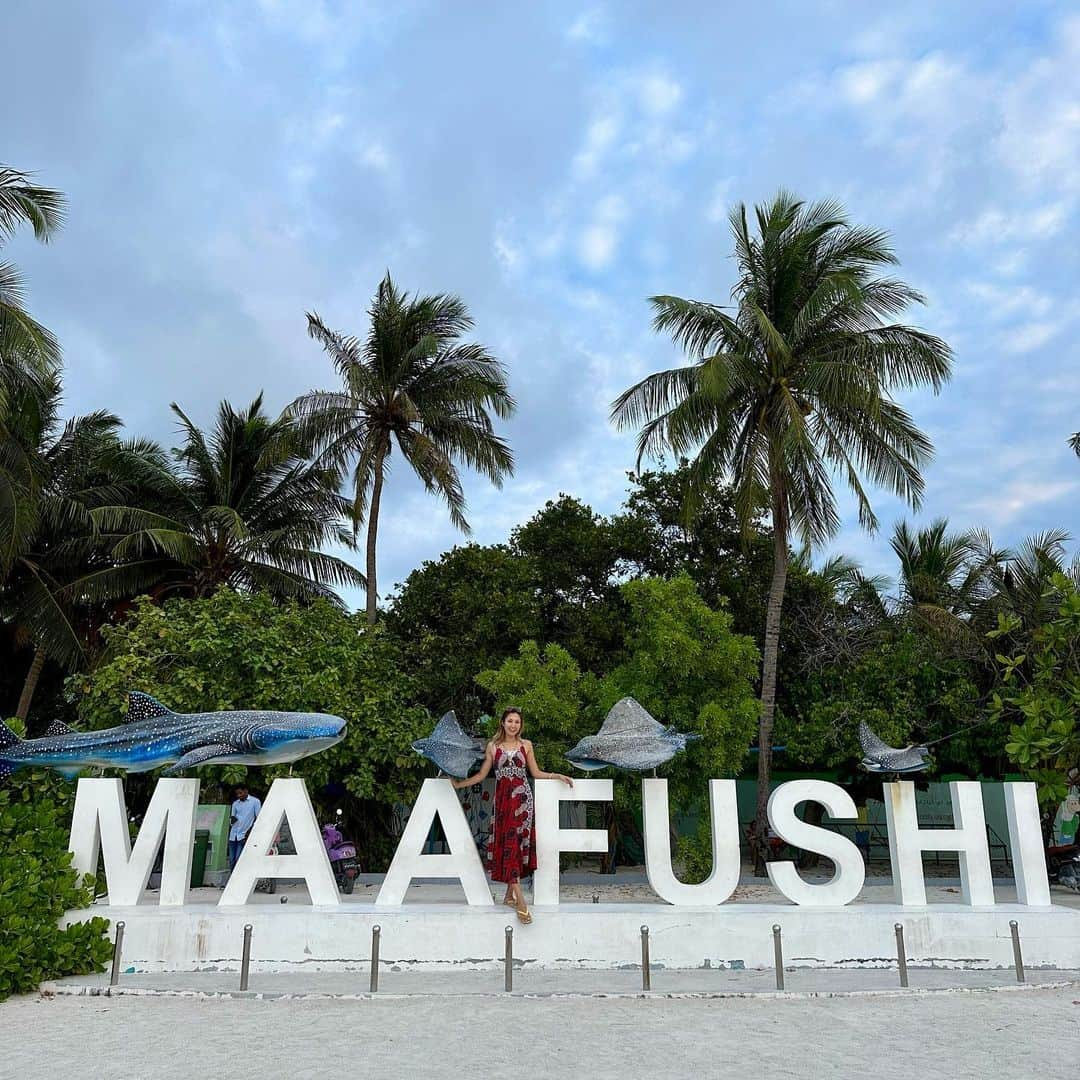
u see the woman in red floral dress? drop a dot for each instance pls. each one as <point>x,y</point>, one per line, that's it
<point>511,847</point>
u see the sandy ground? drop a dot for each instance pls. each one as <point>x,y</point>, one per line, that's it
<point>1003,1035</point>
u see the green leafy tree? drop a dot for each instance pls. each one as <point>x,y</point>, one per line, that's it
<point>412,382</point>
<point>238,651</point>
<point>556,698</point>
<point>686,667</point>
<point>38,885</point>
<point>905,688</point>
<point>794,383</point>
<point>577,561</point>
<point>1040,695</point>
<point>463,613</point>
<point>244,506</point>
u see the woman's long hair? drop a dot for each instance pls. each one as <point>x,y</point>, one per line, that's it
<point>500,735</point>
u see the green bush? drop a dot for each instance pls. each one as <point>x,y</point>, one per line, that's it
<point>37,885</point>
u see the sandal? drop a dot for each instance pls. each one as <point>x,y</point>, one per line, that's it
<point>524,916</point>
<point>510,902</point>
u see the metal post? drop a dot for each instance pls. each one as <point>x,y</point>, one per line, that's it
<point>646,970</point>
<point>114,976</point>
<point>508,966</point>
<point>1018,956</point>
<point>901,953</point>
<point>778,956</point>
<point>245,961</point>
<point>373,987</point>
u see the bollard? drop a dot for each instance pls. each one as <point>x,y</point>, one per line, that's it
<point>901,954</point>
<point>245,960</point>
<point>508,979</point>
<point>114,976</point>
<point>373,986</point>
<point>646,970</point>
<point>778,957</point>
<point>1018,956</point>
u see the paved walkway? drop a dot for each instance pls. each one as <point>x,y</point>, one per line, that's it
<point>1004,1035</point>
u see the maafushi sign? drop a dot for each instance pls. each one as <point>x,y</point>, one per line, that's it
<point>100,829</point>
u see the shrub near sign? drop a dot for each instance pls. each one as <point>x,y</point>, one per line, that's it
<point>100,827</point>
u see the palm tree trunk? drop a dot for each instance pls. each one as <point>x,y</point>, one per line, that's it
<point>30,684</point>
<point>768,678</point>
<point>372,533</point>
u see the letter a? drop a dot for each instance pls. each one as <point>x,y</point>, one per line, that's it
<point>437,800</point>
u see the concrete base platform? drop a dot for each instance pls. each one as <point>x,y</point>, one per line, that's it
<point>440,937</point>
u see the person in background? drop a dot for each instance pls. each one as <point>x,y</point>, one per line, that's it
<point>245,809</point>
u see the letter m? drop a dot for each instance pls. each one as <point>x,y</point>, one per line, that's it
<point>99,825</point>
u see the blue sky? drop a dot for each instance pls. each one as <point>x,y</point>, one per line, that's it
<point>230,166</point>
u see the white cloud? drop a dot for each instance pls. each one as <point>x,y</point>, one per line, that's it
<point>995,225</point>
<point>659,94</point>
<point>600,136</point>
<point>1031,335</point>
<point>507,252</point>
<point>591,27</point>
<point>720,201</point>
<point>601,237</point>
<point>375,155</point>
<point>1020,495</point>
<point>1002,302</point>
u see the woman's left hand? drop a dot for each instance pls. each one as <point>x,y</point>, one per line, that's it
<point>565,779</point>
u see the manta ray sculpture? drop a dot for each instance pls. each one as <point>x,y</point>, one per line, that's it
<point>879,758</point>
<point>630,738</point>
<point>155,735</point>
<point>454,752</point>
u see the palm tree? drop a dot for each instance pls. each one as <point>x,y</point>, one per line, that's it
<point>247,507</point>
<point>76,466</point>
<point>24,342</point>
<point>793,385</point>
<point>944,577</point>
<point>1023,580</point>
<point>412,382</point>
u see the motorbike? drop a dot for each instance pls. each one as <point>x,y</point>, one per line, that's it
<point>342,854</point>
<point>1063,865</point>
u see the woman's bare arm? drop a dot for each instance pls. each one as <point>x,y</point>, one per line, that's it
<point>480,773</point>
<point>536,771</point>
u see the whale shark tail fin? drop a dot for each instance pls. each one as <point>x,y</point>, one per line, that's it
<point>144,707</point>
<point>7,737</point>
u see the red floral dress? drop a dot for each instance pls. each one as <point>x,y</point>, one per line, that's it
<point>510,851</point>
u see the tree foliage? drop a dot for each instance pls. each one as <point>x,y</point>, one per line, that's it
<point>38,885</point>
<point>1040,695</point>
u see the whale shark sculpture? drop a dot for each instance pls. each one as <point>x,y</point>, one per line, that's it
<point>879,758</point>
<point>630,738</point>
<point>155,735</point>
<point>454,752</point>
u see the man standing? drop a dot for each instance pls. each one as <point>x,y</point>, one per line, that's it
<point>245,809</point>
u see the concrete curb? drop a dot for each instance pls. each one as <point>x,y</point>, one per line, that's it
<point>93,990</point>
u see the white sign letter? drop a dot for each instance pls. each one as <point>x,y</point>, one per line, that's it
<point>724,817</point>
<point>287,800</point>
<point>1026,842</point>
<point>99,824</point>
<point>850,871</point>
<point>437,799</point>
<point>907,842</point>
<point>550,839</point>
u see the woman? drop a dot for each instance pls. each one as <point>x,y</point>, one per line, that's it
<point>511,851</point>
